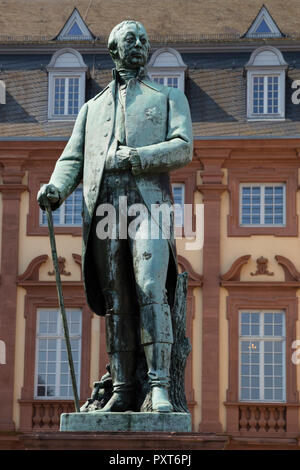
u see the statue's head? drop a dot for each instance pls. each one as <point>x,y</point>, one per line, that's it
<point>128,45</point>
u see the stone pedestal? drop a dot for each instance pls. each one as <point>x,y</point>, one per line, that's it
<point>119,441</point>
<point>94,421</point>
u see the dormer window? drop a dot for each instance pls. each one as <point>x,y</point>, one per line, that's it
<point>67,73</point>
<point>266,71</point>
<point>263,26</point>
<point>75,29</point>
<point>167,68</point>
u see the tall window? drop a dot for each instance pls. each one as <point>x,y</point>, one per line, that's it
<point>69,213</point>
<point>266,84</point>
<point>262,204</point>
<point>262,356</point>
<point>66,96</point>
<point>265,94</point>
<point>178,195</point>
<point>52,377</point>
<point>66,84</point>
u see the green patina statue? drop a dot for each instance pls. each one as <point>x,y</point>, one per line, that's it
<point>125,142</point>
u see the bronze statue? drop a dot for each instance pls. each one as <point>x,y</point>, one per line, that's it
<point>125,142</point>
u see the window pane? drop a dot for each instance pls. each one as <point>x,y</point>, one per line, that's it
<point>73,97</point>
<point>251,202</point>
<point>178,195</point>
<point>273,205</point>
<point>258,95</point>
<point>273,95</point>
<point>59,96</point>
<point>262,357</point>
<point>52,376</point>
<point>172,82</point>
<point>262,205</point>
<point>159,80</point>
<point>265,95</point>
<point>249,381</point>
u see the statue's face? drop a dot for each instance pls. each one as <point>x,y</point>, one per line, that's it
<point>133,46</point>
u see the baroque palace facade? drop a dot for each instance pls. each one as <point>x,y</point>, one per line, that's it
<point>240,70</point>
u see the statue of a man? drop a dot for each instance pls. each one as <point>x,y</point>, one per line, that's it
<point>125,142</point>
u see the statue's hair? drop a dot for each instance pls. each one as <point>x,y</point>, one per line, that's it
<point>113,37</point>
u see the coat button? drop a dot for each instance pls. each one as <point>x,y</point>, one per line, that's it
<point>106,134</point>
<point>101,153</point>
<point>108,119</point>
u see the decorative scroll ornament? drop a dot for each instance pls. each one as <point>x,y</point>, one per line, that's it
<point>61,266</point>
<point>262,267</point>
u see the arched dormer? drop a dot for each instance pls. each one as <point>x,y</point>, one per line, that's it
<point>266,72</point>
<point>66,84</point>
<point>167,67</point>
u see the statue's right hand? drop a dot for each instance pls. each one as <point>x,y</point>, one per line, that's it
<point>47,192</point>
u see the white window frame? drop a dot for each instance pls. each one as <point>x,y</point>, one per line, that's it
<point>165,78</point>
<point>59,336</point>
<point>262,339</point>
<point>62,214</point>
<point>175,68</point>
<point>182,187</point>
<point>66,71</point>
<point>66,77</point>
<point>281,92</point>
<point>266,61</point>
<point>262,205</point>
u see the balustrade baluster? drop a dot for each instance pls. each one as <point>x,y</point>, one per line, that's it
<point>262,422</point>
<point>243,421</point>
<point>282,419</point>
<point>252,420</point>
<point>272,421</point>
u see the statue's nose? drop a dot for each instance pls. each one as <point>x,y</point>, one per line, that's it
<point>138,43</point>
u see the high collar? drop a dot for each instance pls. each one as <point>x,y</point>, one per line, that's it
<point>124,75</point>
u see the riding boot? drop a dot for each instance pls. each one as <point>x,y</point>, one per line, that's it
<point>157,339</point>
<point>122,365</point>
<point>120,343</point>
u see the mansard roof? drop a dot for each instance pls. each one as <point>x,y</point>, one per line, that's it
<point>215,85</point>
<point>40,20</point>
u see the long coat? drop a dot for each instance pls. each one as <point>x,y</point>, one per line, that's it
<point>158,125</point>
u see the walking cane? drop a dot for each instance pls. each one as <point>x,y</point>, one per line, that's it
<point>61,301</point>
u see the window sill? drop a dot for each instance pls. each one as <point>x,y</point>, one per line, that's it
<point>64,119</point>
<point>261,226</point>
<point>266,119</point>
